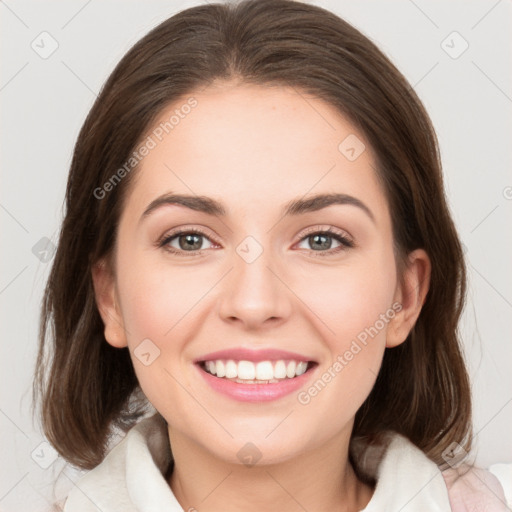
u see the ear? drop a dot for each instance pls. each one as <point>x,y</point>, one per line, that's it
<point>106,300</point>
<point>411,293</point>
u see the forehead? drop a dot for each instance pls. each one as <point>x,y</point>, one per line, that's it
<point>250,144</point>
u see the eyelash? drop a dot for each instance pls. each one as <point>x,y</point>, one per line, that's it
<point>345,242</point>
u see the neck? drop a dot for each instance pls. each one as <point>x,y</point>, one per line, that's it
<point>321,479</point>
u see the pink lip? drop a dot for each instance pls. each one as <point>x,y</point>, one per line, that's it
<point>255,392</point>
<point>245,354</point>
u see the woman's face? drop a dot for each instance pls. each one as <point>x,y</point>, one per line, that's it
<point>258,280</point>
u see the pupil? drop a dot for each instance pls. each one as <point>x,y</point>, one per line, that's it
<point>192,241</point>
<point>322,241</point>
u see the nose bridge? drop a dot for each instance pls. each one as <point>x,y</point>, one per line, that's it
<point>253,294</point>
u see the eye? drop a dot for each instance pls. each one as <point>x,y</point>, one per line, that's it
<point>190,242</point>
<point>185,241</point>
<point>321,242</point>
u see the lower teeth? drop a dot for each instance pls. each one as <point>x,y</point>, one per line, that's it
<point>242,381</point>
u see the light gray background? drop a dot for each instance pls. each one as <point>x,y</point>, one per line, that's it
<point>45,101</point>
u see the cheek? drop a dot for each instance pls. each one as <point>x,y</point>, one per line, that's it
<point>161,308</point>
<point>355,312</point>
<point>159,299</point>
<point>350,299</point>
<point>158,308</point>
<point>353,308</point>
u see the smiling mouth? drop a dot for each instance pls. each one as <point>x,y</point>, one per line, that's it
<point>262,372</point>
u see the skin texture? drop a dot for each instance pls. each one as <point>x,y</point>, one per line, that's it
<point>254,149</point>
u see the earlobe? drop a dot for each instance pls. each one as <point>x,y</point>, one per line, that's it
<point>105,295</point>
<point>411,293</point>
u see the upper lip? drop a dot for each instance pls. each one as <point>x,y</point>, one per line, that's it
<point>246,354</point>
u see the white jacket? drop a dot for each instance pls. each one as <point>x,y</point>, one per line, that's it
<point>130,479</point>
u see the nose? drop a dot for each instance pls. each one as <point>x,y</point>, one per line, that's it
<point>255,294</point>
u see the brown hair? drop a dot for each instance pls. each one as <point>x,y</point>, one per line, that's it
<point>422,390</point>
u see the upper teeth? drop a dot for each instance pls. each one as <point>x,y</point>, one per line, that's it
<point>264,370</point>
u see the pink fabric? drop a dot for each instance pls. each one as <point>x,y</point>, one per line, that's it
<point>472,489</point>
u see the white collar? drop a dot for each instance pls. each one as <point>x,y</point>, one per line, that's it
<point>131,477</point>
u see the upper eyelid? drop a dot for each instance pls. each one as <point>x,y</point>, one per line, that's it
<point>188,229</point>
<point>330,229</point>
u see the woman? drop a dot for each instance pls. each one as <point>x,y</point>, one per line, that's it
<point>257,244</point>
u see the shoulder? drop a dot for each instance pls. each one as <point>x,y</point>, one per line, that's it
<point>130,478</point>
<point>406,479</point>
<point>475,489</point>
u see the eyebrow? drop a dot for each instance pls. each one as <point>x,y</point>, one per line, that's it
<point>295,207</point>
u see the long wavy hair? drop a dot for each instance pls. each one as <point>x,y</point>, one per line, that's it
<point>84,386</point>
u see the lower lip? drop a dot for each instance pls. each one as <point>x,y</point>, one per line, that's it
<point>255,392</point>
